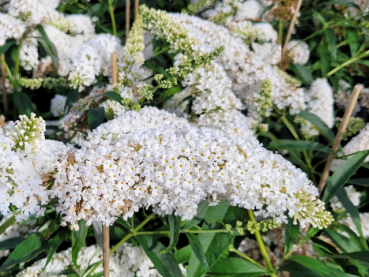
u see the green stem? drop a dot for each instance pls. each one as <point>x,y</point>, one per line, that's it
<point>234,250</point>
<point>352,60</point>
<point>17,63</point>
<point>280,32</point>
<point>8,72</point>
<point>111,11</point>
<point>127,237</point>
<point>262,247</point>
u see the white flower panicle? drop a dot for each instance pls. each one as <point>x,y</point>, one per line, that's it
<point>298,51</point>
<point>93,58</point>
<point>353,196</point>
<point>320,103</point>
<point>173,169</point>
<point>358,143</point>
<point>57,105</point>
<point>10,27</point>
<point>249,32</point>
<point>342,97</point>
<point>131,121</point>
<point>127,261</point>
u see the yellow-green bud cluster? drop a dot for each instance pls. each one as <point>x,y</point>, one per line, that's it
<point>264,98</point>
<point>48,82</point>
<point>262,226</point>
<point>288,78</point>
<point>354,126</point>
<point>193,8</point>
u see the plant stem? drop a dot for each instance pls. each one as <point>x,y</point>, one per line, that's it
<point>262,247</point>
<point>280,32</point>
<point>182,231</point>
<point>17,62</point>
<point>111,11</point>
<point>127,237</point>
<point>352,60</point>
<point>234,250</point>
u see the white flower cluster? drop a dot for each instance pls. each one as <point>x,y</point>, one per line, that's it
<point>93,58</point>
<point>247,69</point>
<point>320,102</point>
<point>298,51</point>
<point>57,105</point>
<point>26,159</point>
<point>131,121</point>
<point>127,261</point>
<point>358,143</point>
<point>15,231</point>
<point>352,194</point>
<point>260,32</point>
<point>173,169</point>
<point>10,27</point>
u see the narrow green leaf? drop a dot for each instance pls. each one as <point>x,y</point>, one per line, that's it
<point>331,39</point>
<point>353,39</point>
<point>344,243</point>
<point>309,267</point>
<point>10,243</point>
<point>319,124</point>
<point>230,266</point>
<point>5,47</point>
<point>71,99</point>
<point>350,208</point>
<point>55,243</point>
<point>125,223</point>
<point>214,244</point>
<point>361,256</point>
<point>183,255</point>
<point>174,223</point>
<point>167,94</point>
<point>302,73</point>
<point>113,96</point>
<point>95,117</point>
<point>49,48</point>
<point>97,229</point>
<point>26,250</point>
<point>78,239</point>
<point>197,249</point>
<point>300,145</point>
<point>165,264</point>
<point>24,103</point>
<point>325,58</point>
<point>9,222</point>
<point>360,182</point>
<point>343,173</point>
<point>54,226</point>
<point>291,232</point>
<point>201,212</point>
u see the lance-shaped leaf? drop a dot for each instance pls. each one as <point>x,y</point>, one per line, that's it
<point>174,223</point>
<point>78,239</point>
<point>198,250</point>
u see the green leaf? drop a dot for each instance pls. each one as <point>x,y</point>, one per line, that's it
<point>174,223</point>
<point>201,212</point>
<point>49,47</point>
<point>303,266</point>
<point>55,243</point>
<point>71,99</point>
<point>95,117</point>
<point>350,208</point>
<point>9,222</point>
<point>54,226</point>
<point>26,250</point>
<point>6,46</point>
<point>302,73</point>
<point>24,103</point>
<point>344,243</point>
<point>197,250</point>
<point>113,96</point>
<point>361,256</point>
<point>331,39</point>
<point>360,182</point>
<point>167,94</point>
<point>78,239</point>
<point>230,266</point>
<point>125,223</point>
<point>214,244</point>
<point>165,264</point>
<point>319,124</point>
<point>353,39</point>
<point>343,173</point>
<point>10,243</point>
<point>183,255</point>
<point>325,58</point>
<point>299,145</point>
<point>291,232</point>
